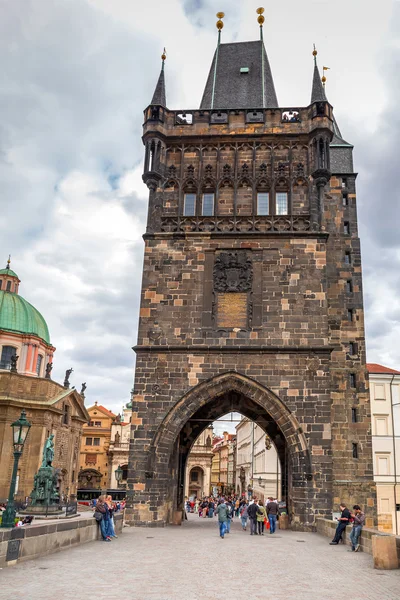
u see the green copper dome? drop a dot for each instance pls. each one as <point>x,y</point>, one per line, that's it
<point>8,272</point>
<point>16,314</point>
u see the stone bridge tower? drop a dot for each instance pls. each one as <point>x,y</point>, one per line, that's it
<point>252,293</point>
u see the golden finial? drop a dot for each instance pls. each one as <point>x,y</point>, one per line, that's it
<point>260,18</point>
<point>220,15</point>
<point>163,55</point>
<point>8,261</point>
<point>314,52</point>
<point>323,78</point>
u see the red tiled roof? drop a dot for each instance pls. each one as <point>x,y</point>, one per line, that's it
<point>105,410</point>
<point>380,369</point>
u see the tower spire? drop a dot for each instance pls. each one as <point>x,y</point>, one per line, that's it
<point>219,25</point>
<point>8,261</point>
<point>159,96</point>
<point>318,92</point>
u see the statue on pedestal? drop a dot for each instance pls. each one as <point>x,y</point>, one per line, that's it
<point>45,498</point>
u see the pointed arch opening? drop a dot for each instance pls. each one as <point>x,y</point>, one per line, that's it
<point>203,404</point>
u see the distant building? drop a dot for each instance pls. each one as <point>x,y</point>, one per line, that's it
<point>25,383</point>
<point>215,483</point>
<point>198,468</point>
<point>258,470</point>
<point>119,447</point>
<point>222,449</point>
<point>94,467</point>
<point>385,414</point>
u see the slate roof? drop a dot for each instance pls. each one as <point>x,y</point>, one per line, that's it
<point>234,89</point>
<point>159,96</point>
<point>337,139</point>
<point>318,91</point>
<point>376,369</point>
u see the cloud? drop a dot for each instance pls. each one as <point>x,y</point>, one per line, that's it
<point>74,80</point>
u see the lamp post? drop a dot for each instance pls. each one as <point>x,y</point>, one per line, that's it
<point>20,432</point>
<point>118,475</point>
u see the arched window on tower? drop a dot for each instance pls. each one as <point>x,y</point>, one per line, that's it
<point>281,198</point>
<point>263,198</point>
<point>8,288</point>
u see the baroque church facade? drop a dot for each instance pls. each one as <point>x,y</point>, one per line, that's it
<point>252,292</point>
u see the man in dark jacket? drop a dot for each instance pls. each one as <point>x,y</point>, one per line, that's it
<point>222,512</point>
<point>252,512</point>
<point>343,521</point>
<point>272,512</point>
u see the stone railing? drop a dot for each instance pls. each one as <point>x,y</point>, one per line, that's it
<point>327,528</point>
<point>228,224</point>
<point>43,538</point>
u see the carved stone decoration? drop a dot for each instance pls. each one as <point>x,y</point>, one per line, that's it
<point>233,272</point>
<point>263,169</point>
<point>155,332</point>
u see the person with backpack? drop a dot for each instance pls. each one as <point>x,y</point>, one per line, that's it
<point>230,516</point>
<point>343,521</point>
<point>358,524</point>
<point>222,512</point>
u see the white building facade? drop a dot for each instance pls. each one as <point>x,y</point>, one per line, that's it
<point>385,416</point>
<point>258,470</point>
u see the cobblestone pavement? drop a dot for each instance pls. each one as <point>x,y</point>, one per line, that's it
<point>192,563</point>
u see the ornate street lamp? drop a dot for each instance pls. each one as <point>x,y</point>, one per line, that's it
<point>118,475</point>
<point>20,431</point>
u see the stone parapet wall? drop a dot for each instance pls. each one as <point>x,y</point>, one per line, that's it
<point>327,528</point>
<point>43,539</point>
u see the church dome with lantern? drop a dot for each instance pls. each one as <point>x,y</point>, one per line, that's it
<point>23,330</point>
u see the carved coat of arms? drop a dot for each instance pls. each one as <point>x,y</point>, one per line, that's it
<point>233,272</point>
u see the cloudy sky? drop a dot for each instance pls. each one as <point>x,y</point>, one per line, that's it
<point>75,76</point>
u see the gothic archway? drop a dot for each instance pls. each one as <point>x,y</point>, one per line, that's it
<point>205,403</point>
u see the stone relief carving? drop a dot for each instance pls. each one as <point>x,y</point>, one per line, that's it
<point>233,272</point>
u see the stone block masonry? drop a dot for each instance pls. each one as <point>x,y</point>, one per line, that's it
<point>251,302</point>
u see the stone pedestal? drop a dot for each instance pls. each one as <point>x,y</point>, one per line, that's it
<point>384,552</point>
<point>284,522</point>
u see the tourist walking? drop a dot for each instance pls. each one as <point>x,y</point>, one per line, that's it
<point>261,518</point>
<point>273,513</point>
<point>343,521</point>
<point>211,508</point>
<point>100,513</point>
<point>358,524</point>
<point>244,515</point>
<point>222,512</point>
<point>252,512</point>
